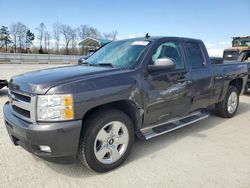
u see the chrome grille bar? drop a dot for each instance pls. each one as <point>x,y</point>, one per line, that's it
<point>23,104</point>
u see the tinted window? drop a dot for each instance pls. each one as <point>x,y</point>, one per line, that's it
<point>194,54</point>
<point>170,50</point>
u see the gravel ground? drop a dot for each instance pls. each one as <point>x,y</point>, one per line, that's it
<point>210,153</point>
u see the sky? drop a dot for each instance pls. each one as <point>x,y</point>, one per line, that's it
<point>212,21</point>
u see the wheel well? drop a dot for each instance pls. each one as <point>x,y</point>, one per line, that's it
<point>238,83</point>
<point>126,106</point>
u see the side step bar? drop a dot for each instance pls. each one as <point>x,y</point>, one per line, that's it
<point>156,130</point>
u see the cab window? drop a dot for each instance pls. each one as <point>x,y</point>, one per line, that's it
<point>195,55</point>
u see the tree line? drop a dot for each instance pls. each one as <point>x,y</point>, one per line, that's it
<point>63,39</point>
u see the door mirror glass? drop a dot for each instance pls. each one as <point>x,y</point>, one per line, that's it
<point>163,64</point>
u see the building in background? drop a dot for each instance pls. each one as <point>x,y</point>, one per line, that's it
<point>90,44</point>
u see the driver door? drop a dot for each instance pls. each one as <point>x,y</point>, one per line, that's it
<point>168,93</point>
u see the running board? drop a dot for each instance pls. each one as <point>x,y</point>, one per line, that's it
<point>156,130</point>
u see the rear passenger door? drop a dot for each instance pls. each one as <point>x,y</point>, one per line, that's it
<point>201,74</point>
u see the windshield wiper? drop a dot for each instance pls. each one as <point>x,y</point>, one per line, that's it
<point>85,63</point>
<point>97,64</point>
<point>104,64</point>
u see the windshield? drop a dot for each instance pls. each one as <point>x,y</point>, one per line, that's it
<point>123,54</point>
<point>241,42</point>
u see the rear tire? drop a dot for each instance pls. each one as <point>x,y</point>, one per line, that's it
<point>106,141</point>
<point>228,107</point>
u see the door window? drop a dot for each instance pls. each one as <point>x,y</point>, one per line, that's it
<point>172,50</point>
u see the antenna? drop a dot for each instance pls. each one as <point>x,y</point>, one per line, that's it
<point>147,35</point>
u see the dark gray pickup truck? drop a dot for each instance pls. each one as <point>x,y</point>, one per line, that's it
<point>140,87</point>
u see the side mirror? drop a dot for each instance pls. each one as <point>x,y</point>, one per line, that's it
<point>162,64</point>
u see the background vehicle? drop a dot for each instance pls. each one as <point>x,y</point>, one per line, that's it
<point>3,83</point>
<point>82,59</point>
<point>143,86</point>
<point>245,57</point>
<point>238,45</point>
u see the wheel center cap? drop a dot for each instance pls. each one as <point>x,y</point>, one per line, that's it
<point>111,141</point>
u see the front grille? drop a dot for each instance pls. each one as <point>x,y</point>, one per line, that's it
<point>22,97</point>
<point>21,111</point>
<point>22,105</point>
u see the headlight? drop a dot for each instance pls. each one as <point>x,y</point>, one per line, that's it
<point>55,107</point>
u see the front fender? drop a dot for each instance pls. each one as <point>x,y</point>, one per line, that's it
<point>90,93</point>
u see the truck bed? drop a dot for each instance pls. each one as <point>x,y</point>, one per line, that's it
<point>223,74</point>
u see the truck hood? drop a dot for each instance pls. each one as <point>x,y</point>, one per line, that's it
<point>39,82</point>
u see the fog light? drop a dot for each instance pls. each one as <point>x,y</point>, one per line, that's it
<point>45,148</point>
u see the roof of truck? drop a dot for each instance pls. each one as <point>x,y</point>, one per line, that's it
<point>152,38</point>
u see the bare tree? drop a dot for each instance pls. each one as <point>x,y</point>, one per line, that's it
<point>67,33</point>
<point>13,32</point>
<point>47,38</point>
<point>88,31</point>
<point>93,33</point>
<point>74,41</point>
<point>22,39</point>
<point>45,42</point>
<point>56,36</point>
<point>111,36</point>
<point>18,34</point>
<point>82,31</point>
<point>21,35</point>
<point>41,30</point>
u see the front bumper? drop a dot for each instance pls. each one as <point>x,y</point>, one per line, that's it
<point>61,137</point>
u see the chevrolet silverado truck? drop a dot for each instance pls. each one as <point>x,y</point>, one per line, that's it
<point>142,87</point>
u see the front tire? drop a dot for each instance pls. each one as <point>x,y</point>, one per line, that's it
<point>228,107</point>
<point>107,140</point>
